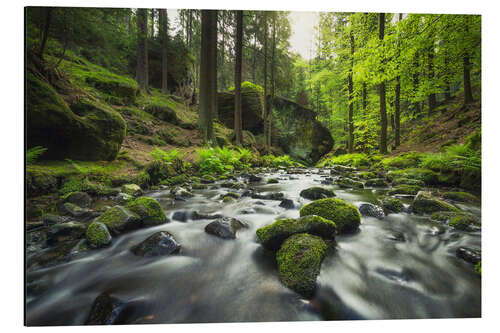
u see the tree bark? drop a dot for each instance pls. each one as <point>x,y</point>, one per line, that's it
<point>48,18</point>
<point>273,83</point>
<point>237,78</point>
<point>397,111</point>
<point>350,144</point>
<point>164,50</point>
<point>467,83</point>
<point>142,49</point>
<point>265,81</point>
<point>383,111</point>
<point>208,67</point>
<point>432,96</point>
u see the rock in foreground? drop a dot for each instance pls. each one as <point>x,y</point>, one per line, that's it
<point>299,262</point>
<point>158,244</point>
<point>315,193</point>
<point>345,216</point>
<point>225,227</point>
<point>425,203</point>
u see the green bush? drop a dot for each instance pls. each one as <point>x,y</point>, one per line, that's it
<point>402,161</point>
<point>33,154</point>
<point>356,160</point>
<point>167,156</point>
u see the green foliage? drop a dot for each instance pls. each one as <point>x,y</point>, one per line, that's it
<point>33,154</point>
<point>279,161</point>
<point>220,160</point>
<point>356,160</point>
<point>249,86</point>
<point>166,156</point>
<point>402,161</point>
<point>478,268</point>
<point>148,209</point>
<point>345,215</point>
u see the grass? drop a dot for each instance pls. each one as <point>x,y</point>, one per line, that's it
<point>33,154</point>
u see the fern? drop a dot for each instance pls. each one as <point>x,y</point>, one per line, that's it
<point>34,153</point>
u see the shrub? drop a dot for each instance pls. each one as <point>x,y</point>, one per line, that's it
<point>167,156</point>
<point>402,161</point>
<point>34,153</point>
<point>355,160</point>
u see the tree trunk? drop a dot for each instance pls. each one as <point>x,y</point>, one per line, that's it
<point>237,78</point>
<point>265,81</point>
<point>164,50</point>
<point>415,85</point>
<point>432,96</point>
<point>254,79</point>
<point>383,111</point>
<point>48,18</point>
<point>467,84</point>
<point>397,111</point>
<point>142,49</point>
<point>190,28</point>
<point>273,83</point>
<point>223,46</point>
<point>208,67</point>
<point>350,144</point>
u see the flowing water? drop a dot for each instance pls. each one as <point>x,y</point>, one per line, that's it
<point>403,266</point>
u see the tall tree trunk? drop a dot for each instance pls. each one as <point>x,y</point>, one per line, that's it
<point>265,81</point>
<point>237,78</point>
<point>45,36</point>
<point>467,83</point>
<point>350,144</point>
<point>223,47</point>
<point>142,48</point>
<point>208,67</point>
<point>383,111</point>
<point>254,79</point>
<point>164,50</point>
<point>190,29</point>
<point>415,84</point>
<point>397,111</point>
<point>152,23</point>
<point>432,96</point>
<point>273,83</point>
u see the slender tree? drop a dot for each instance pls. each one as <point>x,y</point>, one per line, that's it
<point>46,27</point>
<point>164,50</point>
<point>383,111</point>
<point>237,77</point>
<point>265,81</point>
<point>350,144</point>
<point>142,48</point>
<point>273,82</point>
<point>397,97</point>
<point>208,74</point>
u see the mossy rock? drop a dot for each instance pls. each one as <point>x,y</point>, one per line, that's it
<point>207,179</point>
<point>461,197</point>
<point>148,209</point>
<point>273,235</point>
<point>462,222</point>
<point>345,182</point>
<point>95,135</point>
<point>429,177</point>
<point>315,193</point>
<point>405,189</point>
<point>163,112</point>
<point>39,183</point>
<point>345,215</point>
<point>392,205</point>
<point>199,186</point>
<point>299,262</point>
<point>367,175</point>
<point>376,182</point>
<point>272,181</point>
<point>119,219</point>
<point>158,171</point>
<point>116,90</point>
<point>231,195</point>
<point>98,235</point>
<point>425,203</point>
<point>132,189</point>
<point>477,268</point>
<point>407,181</point>
<point>471,180</point>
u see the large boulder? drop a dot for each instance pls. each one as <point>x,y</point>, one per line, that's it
<point>345,215</point>
<point>251,108</point>
<point>158,244</point>
<point>315,193</point>
<point>119,219</point>
<point>225,227</point>
<point>149,210</point>
<point>273,235</point>
<point>96,132</point>
<point>425,203</point>
<point>299,262</point>
<point>97,235</point>
<point>296,130</point>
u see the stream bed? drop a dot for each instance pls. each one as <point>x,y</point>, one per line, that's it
<point>402,266</point>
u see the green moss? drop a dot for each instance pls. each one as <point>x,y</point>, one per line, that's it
<point>461,197</point>
<point>299,262</point>
<point>274,234</point>
<point>158,171</point>
<point>148,209</point>
<point>429,177</point>
<point>119,219</point>
<point>272,181</point>
<point>97,235</point>
<point>407,181</point>
<point>367,175</point>
<point>349,183</point>
<point>478,268</point>
<point>405,189</point>
<point>461,222</point>
<point>376,182</point>
<point>315,193</point>
<point>232,195</point>
<point>345,215</point>
<point>403,161</point>
<point>425,203</point>
<point>393,205</point>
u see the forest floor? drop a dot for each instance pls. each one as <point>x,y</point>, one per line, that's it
<point>451,124</point>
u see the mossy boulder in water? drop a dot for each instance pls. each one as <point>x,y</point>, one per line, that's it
<point>461,197</point>
<point>81,199</point>
<point>425,203</point>
<point>345,215</point>
<point>65,231</point>
<point>96,133</point>
<point>148,209</point>
<point>315,193</point>
<point>98,235</point>
<point>274,234</point>
<point>119,219</point>
<point>158,244</point>
<point>405,189</point>
<point>376,182</point>
<point>132,189</point>
<point>296,130</point>
<point>392,205</point>
<point>299,262</point>
<point>427,176</point>
<point>345,182</point>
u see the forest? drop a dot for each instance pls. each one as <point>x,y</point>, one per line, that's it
<point>161,143</point>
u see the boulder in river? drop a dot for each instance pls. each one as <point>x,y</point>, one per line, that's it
<point>315,193</point>
<point>98,235</point>
<point>470,255</point>
<point>405,189</point>
<point>105,310</point>
<point>148,209</point>
<point>119,219</point>
<point>287,204</point>
<point>425,203</point>
<point>345,182</point>
<point>368,209</point>
<point>376,182</point>
<point>74,210</point>
<point>132,189</point>
<point>461,197</point>
<point>181,216</point>
<point>274,234</point>
<point>225,227</point>
<point>201,216</point>
<point>299,262</point>
<point>158,244</point>
<point>81,199</point>
<point>65,231</point>
<point>392,205</point>
<point>345,215</point>
<point>87,131</point>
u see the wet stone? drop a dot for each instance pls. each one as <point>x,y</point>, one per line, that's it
<point>225,227</point>
<point>158,244</point>
<point>468,254</point>
<point>368,209</point>
<point>105,310</point>
<point>287,204</point>
<point>181,216</point>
